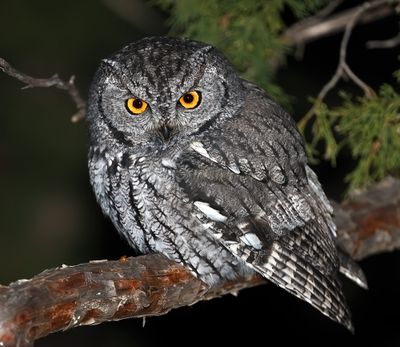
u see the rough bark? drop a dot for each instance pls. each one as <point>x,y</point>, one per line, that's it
<point>99,291</point>
<point>369,222</point>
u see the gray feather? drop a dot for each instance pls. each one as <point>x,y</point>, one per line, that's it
<point>222,187</point>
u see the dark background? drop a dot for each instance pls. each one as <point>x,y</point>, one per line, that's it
<point>48,215</point>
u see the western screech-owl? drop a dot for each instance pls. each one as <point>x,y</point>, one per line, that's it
<point>193,162</point>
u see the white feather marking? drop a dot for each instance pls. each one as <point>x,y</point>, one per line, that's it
<point>309,288</point>
<point>208,225</point>
<point>243,225</point>
<point>276,175</point>
<point>217,235</point>
<point>257,177</point>
<point>328,301</point>
<point>168,163</point>
<point>307,293</point>
<point>271,261</point>
<point>233,246</point>
<point>199,148</point>
<point>252,240</point>
<point>275,249</point>
<point>113,63</point>
<point>210,212</point>
<point>289,272</point>
<point>234,168</point>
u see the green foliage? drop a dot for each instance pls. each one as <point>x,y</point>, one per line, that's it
<point>248,32</point>
<point>369,127</point>
<point>322,131</point>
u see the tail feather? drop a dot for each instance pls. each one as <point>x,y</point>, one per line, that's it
<point>300,278</point>
<point>351,269</point>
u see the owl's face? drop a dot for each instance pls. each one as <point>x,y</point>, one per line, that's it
<point>158,90</point>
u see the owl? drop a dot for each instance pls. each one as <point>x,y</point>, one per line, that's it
<point>189,160</point>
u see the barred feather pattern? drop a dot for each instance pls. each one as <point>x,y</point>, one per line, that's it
<point>150,217</point>
<point>223,188</point>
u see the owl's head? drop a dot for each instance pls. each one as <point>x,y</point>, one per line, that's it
<point>157,90</point>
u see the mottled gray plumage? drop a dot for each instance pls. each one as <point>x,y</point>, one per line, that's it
<point>222,188</point>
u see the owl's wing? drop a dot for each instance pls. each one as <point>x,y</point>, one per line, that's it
<point>250,180</point>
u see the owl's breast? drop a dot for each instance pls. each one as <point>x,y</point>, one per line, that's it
<point>137,192</point>
<point>150,210</point>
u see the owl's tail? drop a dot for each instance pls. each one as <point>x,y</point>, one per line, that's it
<point>307,282</point>
<point>351,269</point>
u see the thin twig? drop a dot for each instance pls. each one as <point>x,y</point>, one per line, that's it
<point>343,69</point>
<point>309,22</point>
<point>53,81</point>
<point>368,91</point>
<point>385,44</point>
<point>389,43</point>
<point>96,292</point>
<point>328,9</point>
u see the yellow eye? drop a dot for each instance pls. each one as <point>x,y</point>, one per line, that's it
<point>136,106</point>
<point>190,100</point>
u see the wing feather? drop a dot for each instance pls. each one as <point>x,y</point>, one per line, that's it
<point>277,219</point>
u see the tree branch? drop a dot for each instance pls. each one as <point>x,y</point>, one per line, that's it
<point>92,293</point>
<point>53,81</point>
<point>319,26</point>
<point>343,70</point>
<point>369,222</point>
<point>385,44</point>
<point>301,32</point>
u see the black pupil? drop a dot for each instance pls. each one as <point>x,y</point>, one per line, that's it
<point>188,98</point>
<point>137,103</point>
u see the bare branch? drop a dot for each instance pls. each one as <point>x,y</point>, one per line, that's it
<point>327,10</point>
<point>385,44</point>
<point>96,292</point>
<point>368,91</point>
<point>389,43</point>
<point>53,81</point>
<point>369,222</point>
<point>318,26</point>
<point>92,293</point>
<point>309,22</point>
<point>343,70</point>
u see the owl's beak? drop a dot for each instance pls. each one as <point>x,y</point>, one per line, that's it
<point>165,132</point>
